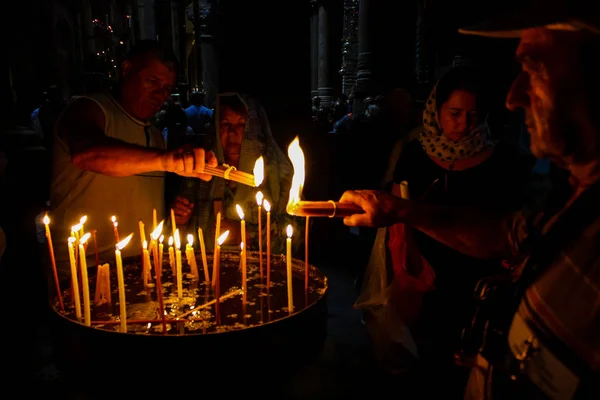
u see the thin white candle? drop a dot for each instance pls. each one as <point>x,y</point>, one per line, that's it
<point>259,200</point>
<point>289,269</point>
<point>267,206</point>
<point>121,280</point>
<point>203,253</point>
<point>191,256</point>
<point>74,279</point>
<point>178,264</point>
<point>87,317</point>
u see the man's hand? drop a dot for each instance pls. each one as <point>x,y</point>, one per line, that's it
<point>182,208</point>
<point>188,161</point>
<point>381,208</point>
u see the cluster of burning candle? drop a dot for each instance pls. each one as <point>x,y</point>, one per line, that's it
<point>152,253</point>
<point>152,257</point>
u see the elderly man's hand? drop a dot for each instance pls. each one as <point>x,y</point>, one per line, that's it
<point>381,208</point>
<point>190,161</point>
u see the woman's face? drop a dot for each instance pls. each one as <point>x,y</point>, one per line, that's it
<point>231,132</point>
<point>458,115</point>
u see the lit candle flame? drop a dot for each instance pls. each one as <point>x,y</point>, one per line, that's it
<point>289,231</point>
<point>242,246</point>
<point>84,238</point>
<point>177,239</point>
<point>190,238</point>
<point>259,198</point>
<point>76,228</point>
<point>121,245</point>
<point>170,240</point>
<point>222,238</point>
<point>156,233</point>
<point>113,219</point>
<point>267,205</point>
<point>259,171</point>
<point>145,244</point>
<point>239,211</point>
<point>161,238</point>
<point>72,239</point>
<point>115,224</point>
<point>46,219</point>
<point>297,157</point>
<point>82,220</point>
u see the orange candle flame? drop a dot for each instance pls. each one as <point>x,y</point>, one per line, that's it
<point>267,205</point>
<point>223,237</point>
<point>84,238</point>
<point>259,198</point>
<point>297,157</point>
<point>156,233</point>
<point>177,239</point>
<point>190,239</point>
<point>239,211</point>
<point>121,245</point>
<point>289,231</point>
<point>259,171</point>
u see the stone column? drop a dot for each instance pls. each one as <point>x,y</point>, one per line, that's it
<point>204,17</point>
<point>364,74</point>
<point>89,42</point>
<point>349,46</point>
<point>422,54</point>
<point>314,48</point>
<point>324,85</point>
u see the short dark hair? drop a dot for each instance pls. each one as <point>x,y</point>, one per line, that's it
<point>463,77</point>
<point>149,48</point>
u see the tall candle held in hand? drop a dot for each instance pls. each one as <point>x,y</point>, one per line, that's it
<point>74,278</point>
<point>53,263</point>
<point>121,280</point>
<point>203,253</point>
<point>288,243</point>
<point>115,228</point>
<point>259,200</point>
<point>178,264</point>
<point>85,281</point>
<point>191,255</point>
<point>267,206</point>
<point>242,230</point>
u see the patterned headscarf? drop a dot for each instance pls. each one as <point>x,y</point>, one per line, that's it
<point>438,145</point>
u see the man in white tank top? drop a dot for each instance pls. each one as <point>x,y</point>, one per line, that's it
<point>109,160</point>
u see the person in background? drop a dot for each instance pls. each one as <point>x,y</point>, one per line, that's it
<point>199,116</point>
<point>242,135</point>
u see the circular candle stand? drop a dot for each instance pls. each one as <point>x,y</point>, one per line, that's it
<point>254,348</point>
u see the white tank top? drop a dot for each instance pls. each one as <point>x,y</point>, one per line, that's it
<point>75,192</point>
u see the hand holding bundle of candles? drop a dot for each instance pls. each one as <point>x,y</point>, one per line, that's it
<point>302,208</point>
<point>229,172</point>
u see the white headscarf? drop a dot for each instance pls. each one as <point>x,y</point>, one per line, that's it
<point>438,145</point>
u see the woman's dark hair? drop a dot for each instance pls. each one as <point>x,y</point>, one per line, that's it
<point>464,78</point>
<point>234,103</point>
